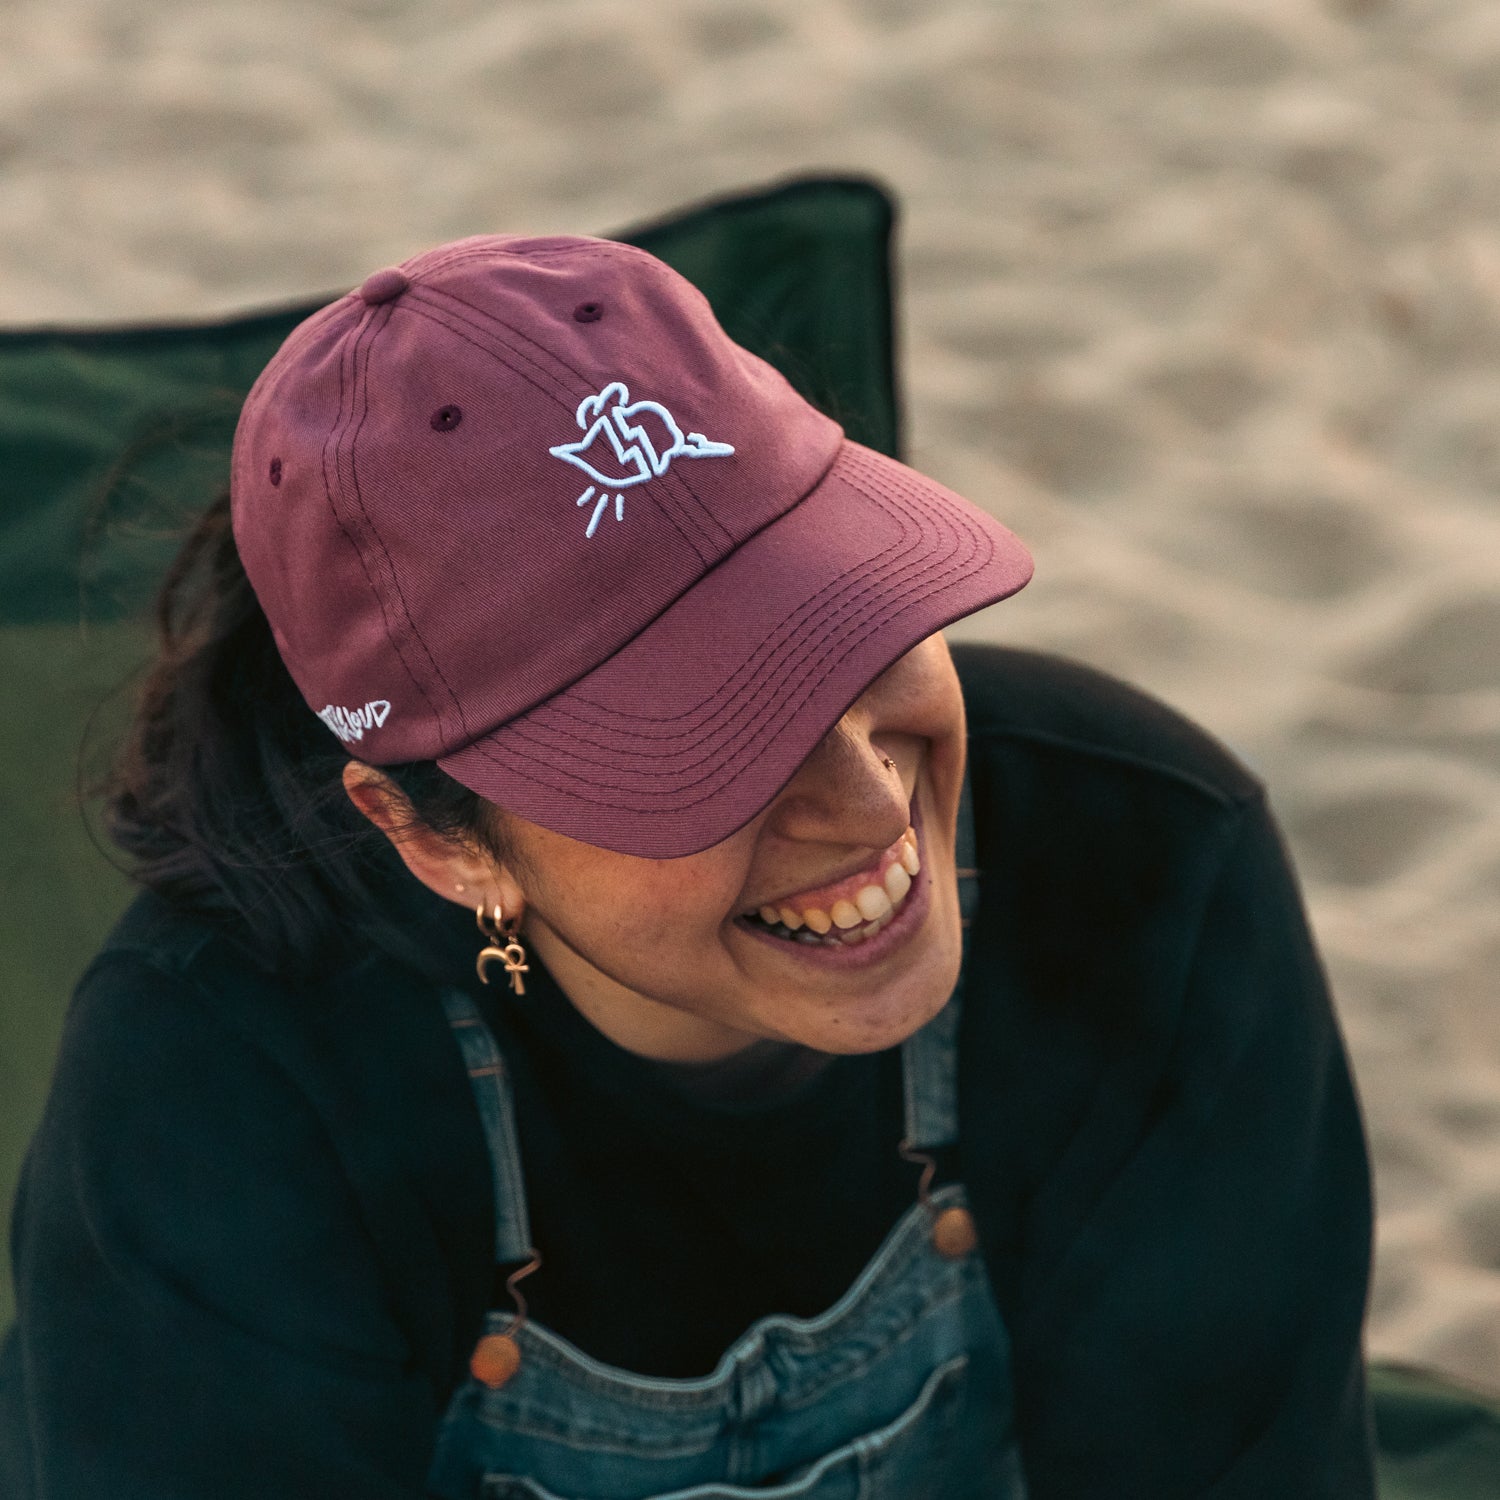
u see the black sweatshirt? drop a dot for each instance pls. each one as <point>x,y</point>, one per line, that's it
<point>253,1239</point>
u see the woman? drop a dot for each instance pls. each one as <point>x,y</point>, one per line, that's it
<point>549,1057</point>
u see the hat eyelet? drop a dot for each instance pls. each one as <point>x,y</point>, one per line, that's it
<point>446,418</point>
<point>588,312</point>
<point>275,473</point>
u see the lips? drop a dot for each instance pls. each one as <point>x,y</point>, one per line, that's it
<point>852,950</point>
<point>851,910</point>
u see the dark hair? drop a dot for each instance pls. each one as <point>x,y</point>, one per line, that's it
<point>228,791</point>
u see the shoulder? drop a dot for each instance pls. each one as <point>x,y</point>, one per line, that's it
<point>1109,829</point>
<point>229,1126</point>
<point>1075,714</point>
<point>174,1037</point>
<point>148,1010</point>
<point>180,1153</point>
<point>168,967</point>
<point>210,1204</point>
<point>175,991</point>
<point>356,1049</point>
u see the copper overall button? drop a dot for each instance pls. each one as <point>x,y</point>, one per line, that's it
<point>953,1233</point>
<point>495,1359</point>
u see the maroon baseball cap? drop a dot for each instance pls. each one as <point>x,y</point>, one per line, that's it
<point>522,507</point>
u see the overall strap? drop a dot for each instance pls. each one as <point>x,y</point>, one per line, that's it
<point>929,1057</point>
<point>492,1093</point>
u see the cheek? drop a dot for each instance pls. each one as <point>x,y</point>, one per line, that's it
<point>663,939</point>
<point>920,696</point>
<point>657,910</point>
<point>942,709</point>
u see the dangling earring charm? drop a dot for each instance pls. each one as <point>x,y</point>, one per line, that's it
<point>511,954</point>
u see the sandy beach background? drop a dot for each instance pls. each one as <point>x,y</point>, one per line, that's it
<point>1201,297</point>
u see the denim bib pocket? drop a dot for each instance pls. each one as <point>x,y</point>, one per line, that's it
<point>879,1465</point>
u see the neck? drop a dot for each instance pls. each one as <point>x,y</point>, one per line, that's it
<point>633,1021</point>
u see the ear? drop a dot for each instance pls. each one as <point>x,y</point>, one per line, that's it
<point>465,877</point>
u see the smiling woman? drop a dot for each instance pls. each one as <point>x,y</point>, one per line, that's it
<point>879,1072</point>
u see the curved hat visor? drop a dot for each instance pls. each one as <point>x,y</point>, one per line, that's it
<point>687,732</point>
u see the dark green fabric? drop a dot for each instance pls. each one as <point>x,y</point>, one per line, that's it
<point>112,440</point>
<point>1437,1440</point>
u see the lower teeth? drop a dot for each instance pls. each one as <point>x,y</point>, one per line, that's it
<point>847,937</point>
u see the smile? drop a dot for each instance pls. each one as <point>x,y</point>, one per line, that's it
<point>851,911</point>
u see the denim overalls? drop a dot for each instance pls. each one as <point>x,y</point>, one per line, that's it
<point>899,1391</point>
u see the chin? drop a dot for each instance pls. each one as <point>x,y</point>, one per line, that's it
<point>859,1026</point>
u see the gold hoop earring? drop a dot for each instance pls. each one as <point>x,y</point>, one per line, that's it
<point>511,954</point>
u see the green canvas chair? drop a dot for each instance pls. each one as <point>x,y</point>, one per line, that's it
<point>112,440</point>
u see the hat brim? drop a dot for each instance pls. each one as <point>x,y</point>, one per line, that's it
<point>687,732</point>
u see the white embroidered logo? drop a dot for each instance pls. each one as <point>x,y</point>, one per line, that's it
<point>624,451</point>
<point>350,723</point>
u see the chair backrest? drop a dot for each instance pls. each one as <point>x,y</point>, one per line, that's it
<point>112,440</point>
<point>1436,1439</point>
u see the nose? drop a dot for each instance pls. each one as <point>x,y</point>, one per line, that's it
<point>846,792</point>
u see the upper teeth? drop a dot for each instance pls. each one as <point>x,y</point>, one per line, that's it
<point>861,916</point>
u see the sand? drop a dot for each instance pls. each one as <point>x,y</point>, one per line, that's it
<point>1202,299</point>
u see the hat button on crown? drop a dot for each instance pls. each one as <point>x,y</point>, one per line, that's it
<point>384,286</point>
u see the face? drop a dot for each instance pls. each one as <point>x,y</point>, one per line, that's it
<point>674,958</point>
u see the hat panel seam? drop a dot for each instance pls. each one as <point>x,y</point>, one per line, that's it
<point>364,349</point>
<point>602,249</point>
<point>584,246</point>
<point>702,544</point>
<point>343,438</point>
<point>515,247</point>
<point>486,325</point>
<point>367,349</point>
<point>497,348</point>
<point>446,314</point>
<point>938,577</point>
<point>483,320</point>
<point>725,538</point>
<point>333,485</point>
<point>609,250</point>
<point>270,561</point>
<point>453,255</point>
<point>639,259</point>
